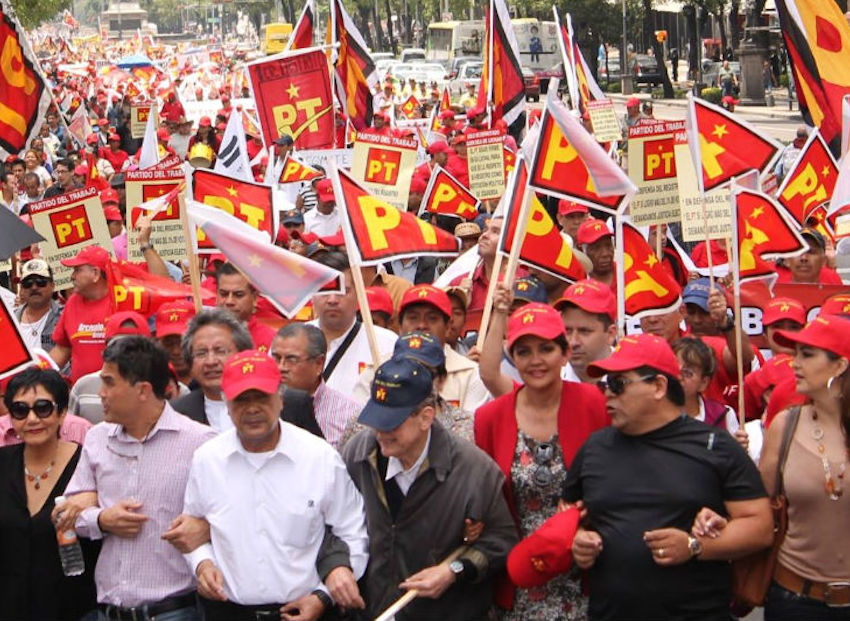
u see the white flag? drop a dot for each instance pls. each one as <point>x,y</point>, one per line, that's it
<point>233,154</point>
<point>149,152</point>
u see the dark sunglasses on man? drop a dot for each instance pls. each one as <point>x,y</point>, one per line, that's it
<point>617,384</point>
<point>38,281</point>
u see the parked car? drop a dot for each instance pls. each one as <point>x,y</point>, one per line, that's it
<point>428,72</point>
<point>412,54</point>
<point>612,72</point>
<point>645,70</point>
<point>469,72</point>
<point>532,85</point>
<point>457,62</point>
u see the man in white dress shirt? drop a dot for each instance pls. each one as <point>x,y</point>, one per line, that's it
<point>324,219</point>
<point>267,489</point>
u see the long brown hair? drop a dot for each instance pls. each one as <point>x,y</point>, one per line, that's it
<point>844,396</point>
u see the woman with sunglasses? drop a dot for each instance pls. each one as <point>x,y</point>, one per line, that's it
<point>533,433</point>
<point>32,474</point>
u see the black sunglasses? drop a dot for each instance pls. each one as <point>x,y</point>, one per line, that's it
<point>38,282</point>
<point>616,384</point>
<point>43,408</point>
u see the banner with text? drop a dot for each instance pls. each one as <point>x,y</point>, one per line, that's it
<point>486,160</point>
<point>603,120</point>
<point>652,168</point>
<point>384,165</point>
<point>718,208</point>
<point>167,226</point>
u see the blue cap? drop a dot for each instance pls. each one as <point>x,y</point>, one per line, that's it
<point>530,289</point>
<point>696,292</point>
<point>400,385</point>
<point>293,217</point>
<point>421,347</point>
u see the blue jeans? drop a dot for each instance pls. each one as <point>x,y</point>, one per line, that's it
<point>181,614</point>
<point>785,605</point>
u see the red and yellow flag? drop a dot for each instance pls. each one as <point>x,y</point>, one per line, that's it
<point>302,34</point>
<point>294,170</point>
<point>723,145</point>
<point>410,107</point>
<point>810,182</point>
<point>502,85</point>
<point>446,195</point>
<point>355,69</point>
<point>135,289</point>
<point>649,287</point>
<point>14,354</point>
<point>382,232</point>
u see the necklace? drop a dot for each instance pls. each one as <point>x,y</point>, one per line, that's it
<point>36,326</point>
<point>833,485</point>
<point>36,479</point>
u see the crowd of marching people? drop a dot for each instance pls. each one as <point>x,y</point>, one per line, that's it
<point>218,461</point>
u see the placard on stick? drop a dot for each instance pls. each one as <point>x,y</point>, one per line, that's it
<point>384,164</point>
<point>166,227</point>
<point>652,168</point>
<point>486,160</point>
<point>718,208</point>
<point>603,119</point>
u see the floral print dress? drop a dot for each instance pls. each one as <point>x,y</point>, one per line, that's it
<point>538,474</point>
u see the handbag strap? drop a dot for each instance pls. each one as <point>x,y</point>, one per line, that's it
<point>787,436</point>
<point>340,351</point>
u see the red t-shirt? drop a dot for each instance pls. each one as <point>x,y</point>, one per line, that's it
<point>116,158</point>
<point>827,276</point>
<point>81,327</point>
<point>700,257</point>
<point>769,375</point>
<point>784,396</point>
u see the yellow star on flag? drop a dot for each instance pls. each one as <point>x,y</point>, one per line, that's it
<point>757,212</point>
<point>825,171</point>
<point>232,191</point>
<point>720,131</point>
<point>651,260</point>
<point>255,260</point>
<point>292,91</point>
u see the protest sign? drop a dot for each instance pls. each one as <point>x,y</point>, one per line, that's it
<point>384,165</point>
<point>139,114</point>
<point>603,120</point>
<point>166,227</point>
<point>652,168</point>
<point>718,209</point>
<point>486,160</point>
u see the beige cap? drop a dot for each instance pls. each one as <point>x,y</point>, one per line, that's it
<point>467,229</point>
<point>36,267</point>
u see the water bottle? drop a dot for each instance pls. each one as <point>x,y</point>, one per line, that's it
<point>70,552</point>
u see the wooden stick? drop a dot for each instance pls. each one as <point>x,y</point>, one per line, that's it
<point>363,303</point>
<point>658,241</point>
<point>519,238</point>
<point>707,242</point>
<point>488,303</point>
<point>412,594</point>
<point>621,276</point>
<point>194,271</point>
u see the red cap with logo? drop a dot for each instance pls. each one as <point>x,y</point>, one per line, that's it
<point>536,319</point>
<point>249,370</point>
<point>546,552</point>
<point>827,332</point>
<point>784,308</point>
<point>566,207</point>
<point>325,191</point>
<point>592,230</point>
<point>590,296</point>
<point>91,139</point>
<point>114,325</point>
<point>379,300</point>
<point>426,294</point>
<point>638,350</point>
<point>173,318</point>
<point>90,255</point>
<point>109,196</point>
<point>112,213</point>
<point>838,304</point>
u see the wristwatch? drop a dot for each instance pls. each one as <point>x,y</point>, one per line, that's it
<point>457,568</point>
<point>145,247</point>
<point>326,600</point>
<point>694,546</point>
<point>729,325</point>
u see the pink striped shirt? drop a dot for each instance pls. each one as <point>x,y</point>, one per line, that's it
<point>144,568</point>
<point>333,411</point>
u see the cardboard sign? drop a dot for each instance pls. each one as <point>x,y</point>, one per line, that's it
<point>486,157</point>
<point>167,226</point>
<point>139,114</point>
<point>384,165</point>
<point>603,119</point>
<point>69,222</point>
<point>343,158</point>
<point>652,168</point>
<point>718,207</point>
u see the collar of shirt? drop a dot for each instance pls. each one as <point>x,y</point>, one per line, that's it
<point>334,344</point>
<point>234,445</point>
<point>405,478</point>
<point>167,421</point>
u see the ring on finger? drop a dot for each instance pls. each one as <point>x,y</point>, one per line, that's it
<point>660,552</point>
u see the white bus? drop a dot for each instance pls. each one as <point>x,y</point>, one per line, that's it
<point>446,41</point>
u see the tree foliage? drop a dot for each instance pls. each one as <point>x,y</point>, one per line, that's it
<point>31,12</point>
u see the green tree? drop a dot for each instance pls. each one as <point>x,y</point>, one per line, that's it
<point>31,13</point>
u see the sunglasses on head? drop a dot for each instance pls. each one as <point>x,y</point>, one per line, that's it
<point>38,282</point>
<point>43,408</point>
<point>617,384</point>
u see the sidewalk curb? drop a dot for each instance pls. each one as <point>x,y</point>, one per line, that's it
<point>770,113</point>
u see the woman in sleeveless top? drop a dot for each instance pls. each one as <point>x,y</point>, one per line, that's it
<point>812,579</point>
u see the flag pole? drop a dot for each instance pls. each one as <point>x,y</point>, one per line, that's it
<point>363,303</point>
<point>488,303</point>
<point>192,257</point>
<point>734,255</point>
<point>621,276</point>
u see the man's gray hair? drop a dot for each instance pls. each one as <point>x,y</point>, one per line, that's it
<point>216,317</point>
<point>317,344</point>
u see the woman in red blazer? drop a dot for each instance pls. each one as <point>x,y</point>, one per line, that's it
<point>533,433</point>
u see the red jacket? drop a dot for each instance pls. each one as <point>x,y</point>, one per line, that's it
<point>582,411</point>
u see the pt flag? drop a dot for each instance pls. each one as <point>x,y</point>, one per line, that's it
<point>817,38</point>
<point>14,355</point>
<point>355,74</point>
<point>133,288</point>
<point>381,232</point>
<point>544,247</point>
<point>24,97</point>
<point>810,181</point>
<point>649,287</point>
<point>302,35</point>
<point>502,85</point>
<point>448,196</point>
<point>249,202</point>
<point>287,279</point>
<point>294,170</point>
<point>410,107</point>
<point>723,145</point>
<point>294,98</point>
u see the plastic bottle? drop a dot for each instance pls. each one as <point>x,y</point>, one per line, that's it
<point>70,552</point>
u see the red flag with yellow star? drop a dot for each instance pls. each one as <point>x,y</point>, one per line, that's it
<point>14,354</point>
<point>294,170</point>
<point>810,182</point>
<point>766,231</point>
<point>817,38</point>
<point>381,232</point>
<point>294,98</point>
<point>287,279</point>
<point>133,288</point>
<point>249,202</point>
<point>410,107</point>
<point>723,145</point>
<point>447,195</point>
<point>649,287</point>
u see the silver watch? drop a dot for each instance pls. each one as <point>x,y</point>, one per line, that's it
<point>694,546</point>
<point>457,568</point>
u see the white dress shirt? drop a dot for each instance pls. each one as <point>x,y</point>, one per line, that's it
<point>323,225</point>
<point>405,478</point>
<point>267,514</point>
<point>217,415</point>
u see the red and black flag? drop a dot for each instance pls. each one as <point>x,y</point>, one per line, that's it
<point>302,34</point>
<point>817,38</point>
<point>354,68</point>
<point>502,85</point>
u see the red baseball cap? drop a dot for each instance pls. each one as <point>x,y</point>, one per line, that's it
<point>90,255</point>
<point>592,230</point>
<point>114,325</point>
<point>438,146</point>
<point>114,136</point>
<point>325,191</point>
<point>632,102</point>
<point>459,139</point>
<point>546,552</point>
<point>827,332</point>
<point>249,370</point>
<point>379,299</point>
<point>307,238</point>
<point>638,350</point>
<point>590,296</point>
<point>335,240</point>
<point>112,213</point>
<point>109,196</point>
<point>205,122</point>
<point>81,170</point>
<point>91,139</point>
<point>173,318</point>
<point>783,308</point>
<point>838,304</point>
<point>418,185</point>
<point>474,111</point>
<point>447,114</point>
<point>537,319</point>
<point>162,134</point>
<point>566,207</point>
<point>426,294</point>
